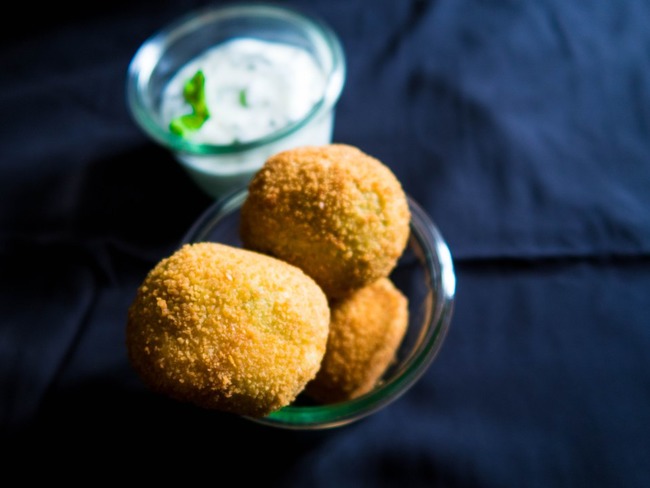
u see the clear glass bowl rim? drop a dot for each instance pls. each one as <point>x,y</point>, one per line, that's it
<point>150,52</point>
<point>441,274</point>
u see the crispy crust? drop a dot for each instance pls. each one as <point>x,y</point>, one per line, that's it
<point>227,329</point>
<point>335,212</point>
<point>366,330</point>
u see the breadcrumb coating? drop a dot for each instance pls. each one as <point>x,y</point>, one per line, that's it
<point>227,329</point>
<point>335,212</point>
<point>366,330</point>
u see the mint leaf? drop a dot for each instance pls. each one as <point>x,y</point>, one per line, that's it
<point>186,123</point>
<point>194,94</point>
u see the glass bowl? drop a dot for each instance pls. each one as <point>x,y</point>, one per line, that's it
<point>424,273</point>
<point>222,166</point>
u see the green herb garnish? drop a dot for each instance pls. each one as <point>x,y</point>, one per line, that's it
<point>243,100</point>
<point>194,94</point>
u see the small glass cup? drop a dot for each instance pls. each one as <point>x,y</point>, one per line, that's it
<point>425,275</point>
<point>220,168</point>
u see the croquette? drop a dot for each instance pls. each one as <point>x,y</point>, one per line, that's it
<point>366,330</point>
<point>335,212</point>
<point>228,329</point>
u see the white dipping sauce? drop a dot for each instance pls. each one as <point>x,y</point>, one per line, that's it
<point>252,89</point>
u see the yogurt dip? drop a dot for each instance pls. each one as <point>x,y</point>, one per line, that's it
<point>252,89</point>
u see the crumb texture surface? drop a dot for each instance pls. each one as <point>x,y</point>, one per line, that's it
<point>335,212</point>
<point>366,330</point>
<point>227,328</point>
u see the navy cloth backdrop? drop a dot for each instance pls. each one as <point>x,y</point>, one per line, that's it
<point>523,128</point>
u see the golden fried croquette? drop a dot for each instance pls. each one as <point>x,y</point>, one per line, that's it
<point>335,212</point>
<point>366,330</point>
<point>227,329</point>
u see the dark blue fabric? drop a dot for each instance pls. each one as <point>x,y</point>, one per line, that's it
<point>523,128</point>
